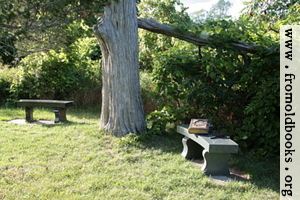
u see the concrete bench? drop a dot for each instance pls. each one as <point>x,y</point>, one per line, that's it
<point>60,108</point>
<point>216,152</point>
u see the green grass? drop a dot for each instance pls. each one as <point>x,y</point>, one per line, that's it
<point>76,160</point>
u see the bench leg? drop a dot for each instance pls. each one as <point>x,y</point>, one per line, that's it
<point>60,115</point>
<point>191,149</point>
<point>215,163</point>
<point>29,114</point>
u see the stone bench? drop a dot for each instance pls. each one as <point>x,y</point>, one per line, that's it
<point>60,108</point>
<point>216,152</point>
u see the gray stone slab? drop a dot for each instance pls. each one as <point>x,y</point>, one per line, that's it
<point>216,151</point>
<point>217,145</point>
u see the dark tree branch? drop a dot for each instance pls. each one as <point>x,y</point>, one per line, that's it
<point>199,40</point>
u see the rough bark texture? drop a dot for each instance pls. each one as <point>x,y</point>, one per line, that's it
<point>199,40</point>
<point>117,33</point>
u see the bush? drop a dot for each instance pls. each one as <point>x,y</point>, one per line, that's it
<point>241,98</point>
<point>7,76</point>
<point>4,90</point>
<point>61,75</point>
<point>149,95</point>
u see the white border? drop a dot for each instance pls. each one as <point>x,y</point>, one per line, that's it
<point>290,112</point>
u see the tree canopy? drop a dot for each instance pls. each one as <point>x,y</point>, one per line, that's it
<point>27,26</point>
<point>218,11</point>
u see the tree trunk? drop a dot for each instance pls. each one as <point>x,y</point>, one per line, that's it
<point>117,33</point>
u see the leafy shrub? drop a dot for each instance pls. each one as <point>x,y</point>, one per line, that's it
<point>4,90</point>
<point>260,126</point>
<point>239,93</point>
<point>60,74</point>
<point>149,95</point>
<point>166,119</point>
<point>7,76</point>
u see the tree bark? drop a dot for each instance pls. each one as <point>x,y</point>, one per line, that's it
<point>188,36</point>
<point>117,34</point>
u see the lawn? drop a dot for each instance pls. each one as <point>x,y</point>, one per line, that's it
<point>76,160</point>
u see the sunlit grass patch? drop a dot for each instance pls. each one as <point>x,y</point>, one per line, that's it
<point>76,160</point>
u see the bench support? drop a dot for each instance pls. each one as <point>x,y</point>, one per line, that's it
<point>191,149</point>
<point>215,151</point>
<point>215,163</point>
<point>60,108</point>
<point>29,114</point>
<point>60,115</point>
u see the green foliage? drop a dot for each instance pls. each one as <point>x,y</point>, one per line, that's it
<point>7,76</point>
<point>164,120</point>
<point>268,15</point>
<point>238,92</point>
<point>70,71</point>
<point>261,123</point>
<point>149,95</point>
<point>58,74</point>
<point>7,52</point>
<point>171,71</point>
<point>37,25</point>
<point>218,11</point>
<point>164,12</point>
<point>4,90</point>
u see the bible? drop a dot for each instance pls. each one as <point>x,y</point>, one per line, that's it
<point>198,126</point>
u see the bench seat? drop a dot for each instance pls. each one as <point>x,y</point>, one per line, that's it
<point>215,152</point>
<point>59,106</point>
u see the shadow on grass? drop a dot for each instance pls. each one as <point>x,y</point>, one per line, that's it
<point>84,113</point>
<point>261,173</point>
<point>264,173</point>
<point>45,122</point>
<point>243,167</point>
<point>9,113</point>
<point>45,116</point>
